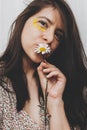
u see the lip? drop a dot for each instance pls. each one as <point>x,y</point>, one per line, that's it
<point>42,43</point>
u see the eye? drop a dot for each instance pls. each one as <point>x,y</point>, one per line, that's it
<point>43,24</point>
<point>58,36</point>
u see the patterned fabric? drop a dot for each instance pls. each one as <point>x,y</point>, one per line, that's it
<point>10,119</point>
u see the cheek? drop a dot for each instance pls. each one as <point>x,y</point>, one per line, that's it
<point>27,36</point>
<point>54,46</point>
<point>30,36</point>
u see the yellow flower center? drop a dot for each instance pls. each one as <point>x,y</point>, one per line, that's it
<point>42,49</point>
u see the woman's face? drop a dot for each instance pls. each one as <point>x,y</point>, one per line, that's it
<point>45,27</point>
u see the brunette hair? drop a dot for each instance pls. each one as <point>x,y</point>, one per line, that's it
<point>69,57</point>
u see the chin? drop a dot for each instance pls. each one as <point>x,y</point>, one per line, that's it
<point>38,58</point>
<point>38,61</point>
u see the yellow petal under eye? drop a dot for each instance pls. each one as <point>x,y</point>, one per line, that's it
<point>35,22</point>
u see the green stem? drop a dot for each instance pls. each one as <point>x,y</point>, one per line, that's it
<point>45,101</point>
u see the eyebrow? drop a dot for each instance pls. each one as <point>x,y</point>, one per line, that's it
<point>59,29</point>
<point>46,19</point>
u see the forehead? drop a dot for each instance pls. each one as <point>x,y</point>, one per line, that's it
<point>52,14</point>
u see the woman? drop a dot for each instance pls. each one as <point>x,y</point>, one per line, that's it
<point>43,71</point>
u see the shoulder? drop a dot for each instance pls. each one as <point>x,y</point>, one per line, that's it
<point>7,103</point>
<point>5,84</point>
<point>7,95</point>
<point>6,89</point>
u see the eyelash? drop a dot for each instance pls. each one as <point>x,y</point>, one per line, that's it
<point>43,24</point>
<point>58,36</point>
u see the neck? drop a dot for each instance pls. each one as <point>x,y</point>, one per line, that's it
<point>31,75</point>
<point>29,66</point>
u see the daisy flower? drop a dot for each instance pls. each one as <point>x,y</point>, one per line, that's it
<point>43,49</point>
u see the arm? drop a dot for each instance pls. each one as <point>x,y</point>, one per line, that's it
<point>58,120</point>
<point>56,85</point>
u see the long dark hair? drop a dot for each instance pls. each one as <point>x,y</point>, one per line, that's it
<point>69,57</point>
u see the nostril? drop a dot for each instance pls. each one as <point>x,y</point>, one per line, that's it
<point>48,37</point>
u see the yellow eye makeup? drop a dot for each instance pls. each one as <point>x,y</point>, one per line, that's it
<point>39,24</point>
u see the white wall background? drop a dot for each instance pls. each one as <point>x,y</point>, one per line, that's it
<point>9,9</point>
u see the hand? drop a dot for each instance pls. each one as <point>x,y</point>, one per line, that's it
<point>56,79</point>
<point>56,85</point>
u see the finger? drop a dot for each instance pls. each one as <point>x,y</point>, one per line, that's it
<point>42,76</point>
<point>40,72</point>
<point>52,74</point>
<point>44,65</point>
<point>51,67</point>
<point>56,74</point>
<point>48,70</point>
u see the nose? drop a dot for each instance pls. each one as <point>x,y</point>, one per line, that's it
<point>48,36</point>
